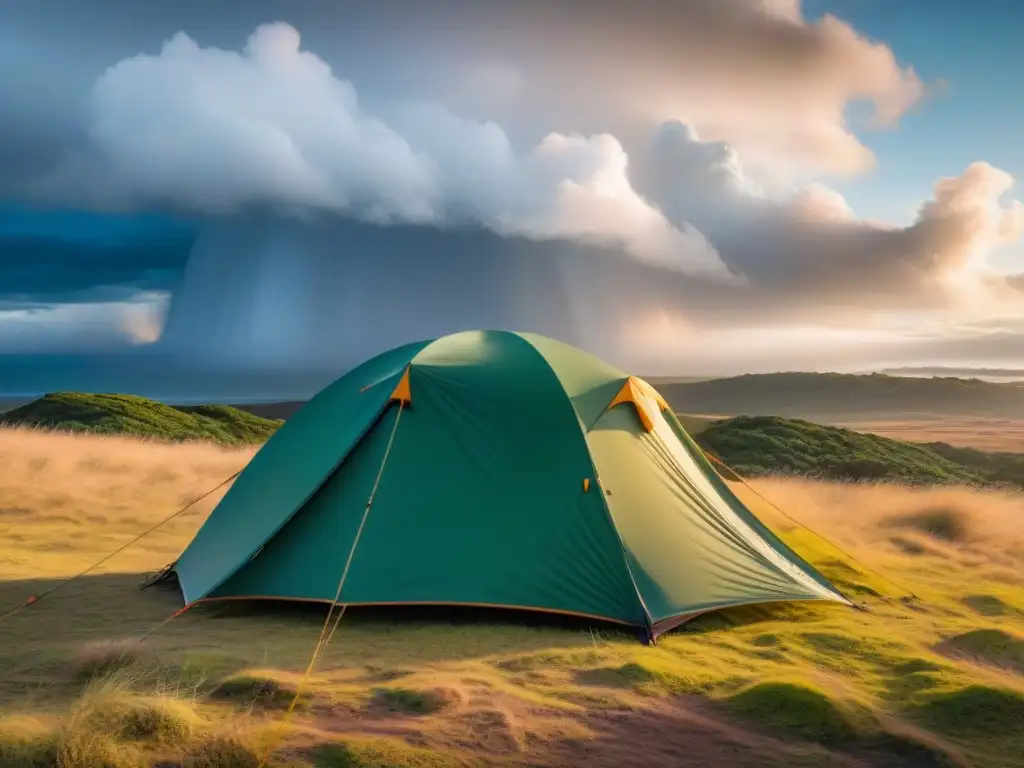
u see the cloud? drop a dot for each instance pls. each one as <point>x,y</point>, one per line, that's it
<point>61,257</point>
<point>85,327</point>
<point>811,249</point>
<point>758,75</point>
<point>216,131</point>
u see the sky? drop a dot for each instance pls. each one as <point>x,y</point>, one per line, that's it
<point>206,199</point>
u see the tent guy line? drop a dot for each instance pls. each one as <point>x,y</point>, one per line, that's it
<point>325,636</point>
<point>36,598</point>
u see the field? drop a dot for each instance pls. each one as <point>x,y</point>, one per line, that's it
<point>981,433</point>
<point>934,681</point>
<point>985,434</point>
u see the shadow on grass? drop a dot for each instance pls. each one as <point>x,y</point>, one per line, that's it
<point>42,644</point>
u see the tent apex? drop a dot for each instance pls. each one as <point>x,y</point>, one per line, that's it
<point>402,392</point>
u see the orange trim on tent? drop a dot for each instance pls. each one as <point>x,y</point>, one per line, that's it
<point>402,393</point>
<point>636,391</point>
<point>651,392</point>
<point>439,603</point>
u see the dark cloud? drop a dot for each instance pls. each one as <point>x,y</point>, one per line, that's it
<point>506,145</point>
<point>213,131</point>
<point>64,257</point>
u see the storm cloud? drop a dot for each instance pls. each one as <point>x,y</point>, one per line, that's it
<point>65,257</point>
<point>213,131</point>
<point>634,177</point>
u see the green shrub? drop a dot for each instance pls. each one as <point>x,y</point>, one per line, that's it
<point>112,414</point>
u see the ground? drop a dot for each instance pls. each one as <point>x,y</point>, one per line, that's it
<point>937,680</point>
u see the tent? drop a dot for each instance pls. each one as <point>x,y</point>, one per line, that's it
<point>496,469</point>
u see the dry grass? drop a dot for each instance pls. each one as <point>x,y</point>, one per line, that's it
<point>64,499</point>
<point>793,685</point>
<point>978,432</point>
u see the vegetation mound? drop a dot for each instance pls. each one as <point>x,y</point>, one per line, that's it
<point>411,702</point>
<point>760,445</point>
<point>987,605</point>
<point>989,646</point>
<point>258,692</point>
<point>997,467</point>
<point>139,417</point>
<point>976,710</point>
<point>379,753</point>
<point>798,709</point>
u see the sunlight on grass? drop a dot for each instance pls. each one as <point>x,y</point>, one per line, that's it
<point>786,684</point>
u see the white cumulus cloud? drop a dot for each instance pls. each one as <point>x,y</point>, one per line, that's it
<point>214,131</point>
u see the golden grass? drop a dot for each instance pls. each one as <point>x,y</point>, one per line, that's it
<point>66,499</point>
<point>985,434</point>
<point>796,685</point>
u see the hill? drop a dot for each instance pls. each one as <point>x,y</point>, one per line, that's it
<point>842,397</point>
<point>283,410</point>
<point>753,445</point>
<point>139,417</point>
<point>759,445</point>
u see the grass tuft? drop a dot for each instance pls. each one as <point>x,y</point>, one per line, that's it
<point>410,702</point>
<point>27,743</point>
<point>987,605</point>
<point>258,692</point>
<point>221,751</point>
<point>103,658</point>
<point>798,709</point>
<point>378,753</point>
<point>976,710</point>
<point>989,646</point>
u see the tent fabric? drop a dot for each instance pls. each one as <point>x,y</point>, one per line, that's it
<point>515,478</point>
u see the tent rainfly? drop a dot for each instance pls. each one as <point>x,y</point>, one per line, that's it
<point>505,470</point>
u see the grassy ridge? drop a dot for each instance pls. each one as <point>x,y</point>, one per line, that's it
<point>753,445</point>
<point>760,445</point>
<point>140,417</point>
<point>822,396</point>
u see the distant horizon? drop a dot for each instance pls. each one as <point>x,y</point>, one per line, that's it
<point>300,394</point>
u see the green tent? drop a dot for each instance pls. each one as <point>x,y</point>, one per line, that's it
<point>505,470</point>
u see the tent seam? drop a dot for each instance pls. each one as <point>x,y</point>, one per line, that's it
<point>648,619</point>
